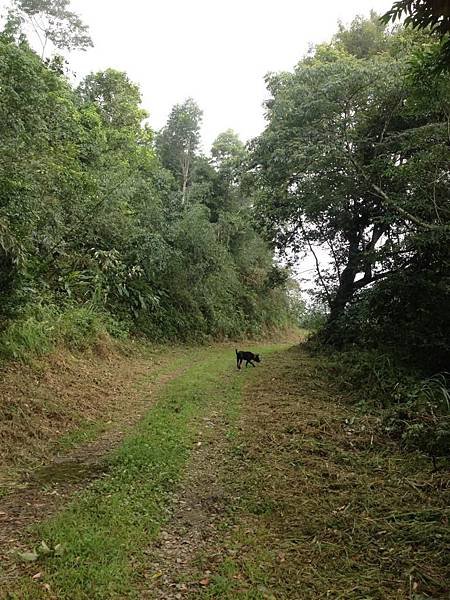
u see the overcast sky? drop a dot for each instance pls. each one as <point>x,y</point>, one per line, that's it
<point>215,52</point>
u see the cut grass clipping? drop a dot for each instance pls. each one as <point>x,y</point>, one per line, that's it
<point>100,538</point>
<point>325,506</point>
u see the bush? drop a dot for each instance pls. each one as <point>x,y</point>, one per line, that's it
<point>421,417</point>
<point>30,334</point>
<point>414,411</point>
<point>312,318</point>
<point>408,315</point>
<point>375,375</point>
<point>39,329</point>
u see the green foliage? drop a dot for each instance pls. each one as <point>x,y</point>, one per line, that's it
<point>178,141</point>
<point>41,328</point>
<point>228,154</point>
<point>432,16</point>
<point>95,213</point>
<point>406,316</point>
<point>412,410</point>
<point>356,164</point>
<point>364,38</point>
<point>421,14</point>
<point>312,318</point>
<point>52,20</point>
<point>421,416</point>
<point>369,376</point>
<point>392,328</point>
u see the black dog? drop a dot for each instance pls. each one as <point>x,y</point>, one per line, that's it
<point>249,357</point>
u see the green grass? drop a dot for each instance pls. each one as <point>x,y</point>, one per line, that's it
<point>41,328</point>
<point>85,432</point>
<point>90,430</point>
<point>315,503</point>
<point>105,530</point>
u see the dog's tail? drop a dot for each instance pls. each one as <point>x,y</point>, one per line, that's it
<point>236,352</point>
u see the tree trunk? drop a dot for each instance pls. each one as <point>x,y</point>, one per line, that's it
<point>343,295</point>
<point>185,164</point>
<point>345,291</point>
<point>183,196</point>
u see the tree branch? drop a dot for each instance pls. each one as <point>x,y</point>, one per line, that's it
<point>332,250</point>
<point>381,194</point>
<point>401,211</point>
<point>319,274</point>
<point>360,283</point>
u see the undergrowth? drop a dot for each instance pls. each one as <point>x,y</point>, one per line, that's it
<point>39,329</point>
<point>413,410</point>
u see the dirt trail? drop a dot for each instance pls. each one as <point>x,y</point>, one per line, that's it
<point>289,493</point>
<point>197,511</point>
<point>302,500</point>
<point>43,491</point>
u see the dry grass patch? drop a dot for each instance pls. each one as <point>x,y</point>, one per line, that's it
<point>41,401</point>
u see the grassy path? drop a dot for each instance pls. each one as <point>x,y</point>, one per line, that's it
<point>301,500</point>
<point>96,543</point>
<point>59,468</point>
<point>259,484</point>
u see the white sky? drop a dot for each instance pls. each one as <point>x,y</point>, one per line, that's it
<point>215,52</point>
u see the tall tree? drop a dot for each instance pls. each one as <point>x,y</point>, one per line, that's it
<point>227,148</point>
<point>364,37</point>
<point>346,163</point>
<point>53,21</point>
<point>228,156</point>
<point>179,140</point>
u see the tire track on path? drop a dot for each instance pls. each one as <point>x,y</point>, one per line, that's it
<point>46,490</point>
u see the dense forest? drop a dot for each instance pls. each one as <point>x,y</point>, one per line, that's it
<point>106,225</point>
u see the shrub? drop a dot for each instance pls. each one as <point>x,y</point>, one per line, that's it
<point>414,411</point>
<point>421,417</point>
<point>312,318</point>
<point>39,329</point>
